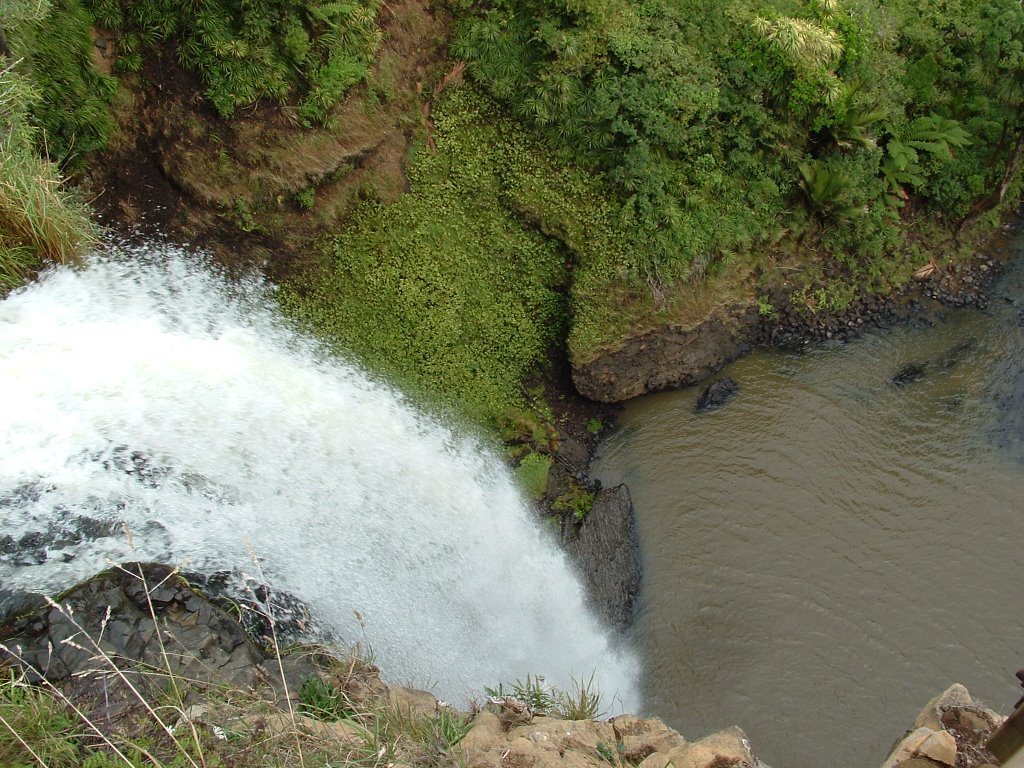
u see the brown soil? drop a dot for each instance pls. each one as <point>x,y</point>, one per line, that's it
<point>176,170</point>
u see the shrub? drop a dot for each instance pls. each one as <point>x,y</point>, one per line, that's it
<point>313,50</point>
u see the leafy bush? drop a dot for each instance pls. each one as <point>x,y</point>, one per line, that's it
<point>244,52</point>
<point>711,120</point>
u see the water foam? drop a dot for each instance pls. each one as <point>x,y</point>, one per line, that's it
<point>148,392</point>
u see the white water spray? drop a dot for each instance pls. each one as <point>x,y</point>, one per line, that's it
<point>149,393</point>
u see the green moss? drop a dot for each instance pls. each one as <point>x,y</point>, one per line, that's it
<point>532,474</point>
<point>445,291</point>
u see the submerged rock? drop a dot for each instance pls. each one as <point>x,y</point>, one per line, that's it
<point>908,374</point>
<point>716,394</point>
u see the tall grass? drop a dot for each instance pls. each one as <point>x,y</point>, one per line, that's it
<point>41,222</point>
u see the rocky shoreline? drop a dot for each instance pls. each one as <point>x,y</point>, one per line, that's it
<point>672,357</point>
<point>114,641</point>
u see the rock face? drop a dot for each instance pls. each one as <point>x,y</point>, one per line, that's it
<point>950,731</point>
<point>666,358</point>
<point>133,617</point>
<point>606,551</point>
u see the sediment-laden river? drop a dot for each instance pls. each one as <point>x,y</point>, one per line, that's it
<point>830,549</point>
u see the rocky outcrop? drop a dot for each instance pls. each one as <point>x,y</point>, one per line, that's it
<point>546,742</point>
<point>128,621</point>
<point>606,550</point>
<point>949,732</point>
<point>668,357</point>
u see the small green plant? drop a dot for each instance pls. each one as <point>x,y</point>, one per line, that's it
<point>765,307</point>
<point>322,700</point>
<point>305,198</point>
<point>241,213</point>
<point>578,501</point>
<point>606,752</point>
<point>534,692</point>
<point>35,727</point>
<point>595,425</point>
<point>583,702</point>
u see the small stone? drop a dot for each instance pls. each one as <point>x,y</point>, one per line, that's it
<point>642,736</point>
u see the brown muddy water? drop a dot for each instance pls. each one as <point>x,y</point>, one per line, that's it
<point>829,550</point>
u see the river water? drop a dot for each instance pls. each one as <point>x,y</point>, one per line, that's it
<point>829,550</point>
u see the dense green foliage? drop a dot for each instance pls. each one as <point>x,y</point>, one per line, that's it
<point>248,50</point>
<point>39,221</point>
<point>714,121</point>
<point>71,97</point>
<point>446,291</point>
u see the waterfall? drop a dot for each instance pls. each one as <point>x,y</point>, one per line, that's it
<point>144,393</point>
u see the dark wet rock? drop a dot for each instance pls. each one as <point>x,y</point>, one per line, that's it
<point>953,356</point>
<point>666,358</point>
<point>268,615</point>
<point>908,374</point>
<point>130,621</point>
<point>670,356</point>
<point>716,394</point>
<point>606,550</point>
<point>62,534</point>
<point>573,455</point>
<point>139,465</point>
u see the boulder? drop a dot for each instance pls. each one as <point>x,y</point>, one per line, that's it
<point>716,394</point>
<point>486,733</point>
<point>137,623</point>
<point>641,737</point>
<point>667,357</point>
<point>410,701</point>
<point>728,747</point>
<point>939,746</point>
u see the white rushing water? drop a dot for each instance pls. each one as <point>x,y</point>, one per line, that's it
<point>146,391</point>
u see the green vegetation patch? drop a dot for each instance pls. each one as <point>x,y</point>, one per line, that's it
<point>532,474</point>
<point>39,221</point>
<point>71,99</point>
<point>245,52</point>
<point>447,291</point>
